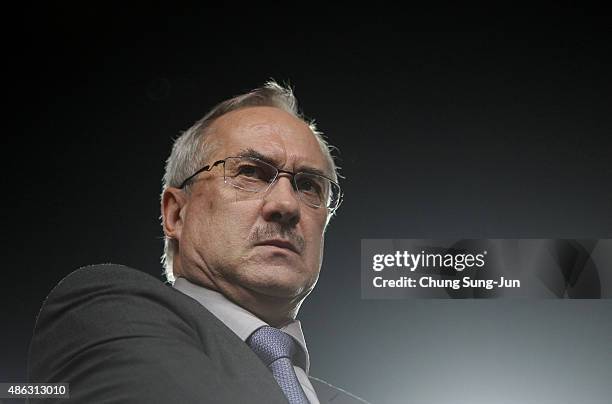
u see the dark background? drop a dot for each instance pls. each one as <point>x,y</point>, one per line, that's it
<point>447,128</point>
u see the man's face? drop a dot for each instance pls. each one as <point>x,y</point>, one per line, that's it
<point>235,241</point>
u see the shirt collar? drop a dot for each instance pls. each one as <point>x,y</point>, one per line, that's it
<point>242,322</point>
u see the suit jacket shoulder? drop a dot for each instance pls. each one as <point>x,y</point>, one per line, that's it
<point>120,335</point>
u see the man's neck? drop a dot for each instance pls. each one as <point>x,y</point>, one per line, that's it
<point>275,311</point>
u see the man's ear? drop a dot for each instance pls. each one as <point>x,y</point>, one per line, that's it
<point>172,205</point>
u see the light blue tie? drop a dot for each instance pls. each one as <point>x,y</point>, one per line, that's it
<point>275,349</point>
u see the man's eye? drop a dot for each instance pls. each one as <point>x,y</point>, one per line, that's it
<point>250,171</point>
<point>310,186</point>
<point>306,185</point>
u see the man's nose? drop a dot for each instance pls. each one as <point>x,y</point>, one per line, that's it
<point>281,203</point>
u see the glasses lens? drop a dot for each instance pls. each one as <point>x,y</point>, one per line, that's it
<point>249,174</point>
<point>317,191</point>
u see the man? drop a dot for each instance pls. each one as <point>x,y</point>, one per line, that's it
<point>248,193</point>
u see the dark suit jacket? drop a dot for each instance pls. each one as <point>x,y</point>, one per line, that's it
<point>118,335</point>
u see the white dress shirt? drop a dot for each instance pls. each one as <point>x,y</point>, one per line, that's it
<point>243,323</point>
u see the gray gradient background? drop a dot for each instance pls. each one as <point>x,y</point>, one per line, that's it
<point>491,133</point>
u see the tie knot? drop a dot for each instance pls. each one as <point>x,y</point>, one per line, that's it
<point>271,344</point>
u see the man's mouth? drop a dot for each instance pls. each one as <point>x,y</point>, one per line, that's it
<point>280,244</point>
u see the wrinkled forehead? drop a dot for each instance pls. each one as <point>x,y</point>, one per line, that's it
<point>285,140</point>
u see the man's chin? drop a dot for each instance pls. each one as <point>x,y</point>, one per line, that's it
<point>286,286</point>
<point>278,290</point>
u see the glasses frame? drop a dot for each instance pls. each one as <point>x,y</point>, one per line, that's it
<point>209,167</point>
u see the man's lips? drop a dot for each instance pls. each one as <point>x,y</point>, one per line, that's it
<point>279,243</point>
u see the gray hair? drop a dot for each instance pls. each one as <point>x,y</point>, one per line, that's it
<point>190,150</point>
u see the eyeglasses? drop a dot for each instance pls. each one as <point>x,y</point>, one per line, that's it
<point>254,175</point>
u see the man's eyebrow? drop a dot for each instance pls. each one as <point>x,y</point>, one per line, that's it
<point>304,169</point>
<point>312,170</point>
<point>255,154</point>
